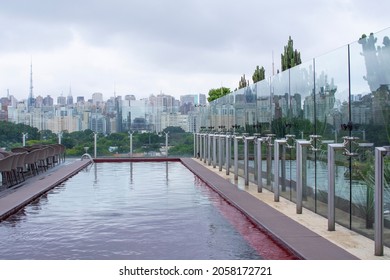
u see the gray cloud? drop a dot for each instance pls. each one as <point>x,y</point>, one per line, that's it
<point>180,47</point>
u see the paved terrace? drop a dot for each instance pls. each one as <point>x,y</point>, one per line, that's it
<point>305,234</point>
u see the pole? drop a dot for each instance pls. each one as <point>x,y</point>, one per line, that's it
<point>24,139</point>
<point>95,141</point>
<point>379,220</point>
<point>59,137</point>
<point>131,144</point>
<point>166,143</point>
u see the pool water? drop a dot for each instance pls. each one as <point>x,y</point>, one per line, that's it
<point>143,210</point>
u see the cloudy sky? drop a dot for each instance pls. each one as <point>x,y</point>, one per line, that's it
<point>177,47</point>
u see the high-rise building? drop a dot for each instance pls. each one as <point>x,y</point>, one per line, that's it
<point>80,99</point>
<point>61,100</point>
<point>69,99</point>
<point>97,98</point>
<point>48,101</point>
<point>202,99</point>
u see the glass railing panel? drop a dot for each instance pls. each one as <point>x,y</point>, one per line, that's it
<point>302,126</point>
<point>239,109</point>
<point>370,112</point>
<point>264,112</point>
<point>280,104</point>
<point>262,128</point>
<point>280,122</point>
<point>331,99</point>
<point>225,118</point>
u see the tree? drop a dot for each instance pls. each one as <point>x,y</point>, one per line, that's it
<point>377,60</point>
<point>259,74</point>
<point>173,129</point>
<point>243,82</point>
<point>291,57</point>
<point>217,93</point>
<point>11,133</point>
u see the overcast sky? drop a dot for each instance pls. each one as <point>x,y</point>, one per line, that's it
<point>177,47</point>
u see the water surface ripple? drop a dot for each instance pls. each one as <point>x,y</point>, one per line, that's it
<point>133,211</point>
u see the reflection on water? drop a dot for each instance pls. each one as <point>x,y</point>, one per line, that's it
<point>133,211</point>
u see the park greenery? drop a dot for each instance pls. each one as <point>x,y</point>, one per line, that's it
<point>216,93</point>
<point>115,144</point>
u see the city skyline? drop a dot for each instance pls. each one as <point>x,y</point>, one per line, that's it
<point>142,49</point>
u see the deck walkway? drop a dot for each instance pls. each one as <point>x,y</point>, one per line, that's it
<point>15,198</point>
<point>301,240</point>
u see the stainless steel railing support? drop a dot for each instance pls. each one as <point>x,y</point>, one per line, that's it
<point>380,153</point>
<point>209,149</point>
<point>246,158</point>
<point>204,148</point>
<point>259,165</point>
<point>331,184</point>
<point>214,150</point>
<point>300,144</point>
<point>236,138</point>
<point>220,151</point>
<point>278,143</point>
<point>228,153</point>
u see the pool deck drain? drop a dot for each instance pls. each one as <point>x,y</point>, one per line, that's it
<point>304,234</point>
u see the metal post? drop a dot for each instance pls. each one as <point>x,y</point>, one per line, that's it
<point>205,148</point>
<point>60,137</point>
<point>259,165</point>
<point>209,149</point>
<point>200,146</point>
<point>236,157</point>
<point>331,183</point>
<point>166,143</point>
<point>228,154</point>
<point>24,138</point>
<point>214,150</point>
<point>255,158</point>
<point>95,143</point>
<point>299,169</point>
<point>196,146</point>
<point>246,159</point>
<point>379,220</point>
<point>220,137</point>
<point>269,163</point>
<point>283,168</point>
<point>131,144</point>
<point>246,171</point>
<point>276,189</point>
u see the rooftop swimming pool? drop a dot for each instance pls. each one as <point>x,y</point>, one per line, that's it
<point>142,210</point>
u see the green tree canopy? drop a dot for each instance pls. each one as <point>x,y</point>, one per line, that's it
<point>291,57</point>
<point>11,133</point>
<point>243,83</point>
<point>174,129</point>
<point>259,74</point>
<point>217,93</point>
